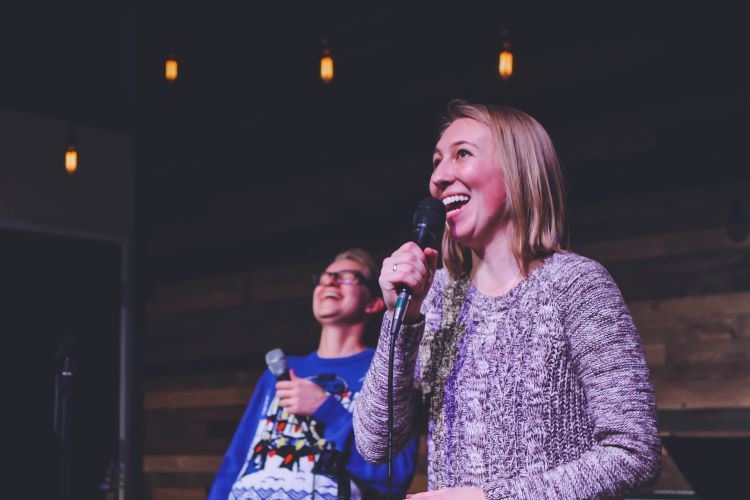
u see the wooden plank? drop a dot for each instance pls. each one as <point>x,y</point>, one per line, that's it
<point>708,306</point>
<point>418,483</point>
<point>702,394</point>
<point>188,481</point>
<point>655,354</point>
<point>291,281</point>
<point>661,245</point>
<point>719,373</point>
<point>202,380</point>
<point>284,282</point>
<point>206,293</point>
<point>725,271</point>
<point>634,216</point>
<point>715,351</point>
<point>178,494</point>
<point>199,398</point>
<point>289,333</point>
<point>200,431</point>
<point>236,319</point>
<point>181,463</point>
<point>671,478</point>
<point>712,422</point>
<point>221,334</point>
<point>220,225</point>
<point>684,329</point>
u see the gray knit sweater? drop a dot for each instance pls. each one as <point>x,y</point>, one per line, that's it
<point>540,393</point>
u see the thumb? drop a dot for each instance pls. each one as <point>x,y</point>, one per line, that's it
<point>432,258</point>
<point>292,375</point>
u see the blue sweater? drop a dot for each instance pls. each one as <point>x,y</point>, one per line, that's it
<point>276,454</point>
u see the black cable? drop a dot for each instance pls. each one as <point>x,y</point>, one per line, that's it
<point>396,320</point>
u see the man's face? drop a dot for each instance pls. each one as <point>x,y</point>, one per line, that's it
<point>340,303</point>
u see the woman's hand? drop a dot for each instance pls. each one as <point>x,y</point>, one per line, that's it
<point>413,268</point>
<point>450,494</point>
<point>299,395</point>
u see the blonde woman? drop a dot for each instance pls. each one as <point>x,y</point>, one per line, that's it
<point>524,355</point>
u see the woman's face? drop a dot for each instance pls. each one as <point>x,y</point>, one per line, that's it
<point>468,179</point>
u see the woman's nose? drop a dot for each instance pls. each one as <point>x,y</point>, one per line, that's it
<point>442,176</point>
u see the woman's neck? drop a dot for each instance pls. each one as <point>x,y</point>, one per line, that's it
<point>494,268</point>
<point>340,341</point>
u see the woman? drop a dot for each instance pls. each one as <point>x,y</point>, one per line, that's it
<point>525,355</point>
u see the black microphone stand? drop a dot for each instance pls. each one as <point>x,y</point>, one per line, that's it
<point>63,424</point>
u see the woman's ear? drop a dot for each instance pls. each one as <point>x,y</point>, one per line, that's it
<point>375,305</point>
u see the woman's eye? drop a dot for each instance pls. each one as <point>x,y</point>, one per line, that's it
<point>435,163</point>
<point>463,153</point>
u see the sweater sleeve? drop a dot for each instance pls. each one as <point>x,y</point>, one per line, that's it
<point>337,425</point>
<point>236,455</point>
<point>608,358</point>
<point>371,411</point>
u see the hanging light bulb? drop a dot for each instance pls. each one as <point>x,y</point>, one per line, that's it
<point>71,153</point>
<point>170,69</point>
<point>326,64</point>
<point>505,62</point>
<point>71,160</point>
<point>505,59</point>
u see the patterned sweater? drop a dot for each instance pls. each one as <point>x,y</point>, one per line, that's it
<point>542,392</point>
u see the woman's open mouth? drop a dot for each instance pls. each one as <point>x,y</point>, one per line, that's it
<point>455,203</point>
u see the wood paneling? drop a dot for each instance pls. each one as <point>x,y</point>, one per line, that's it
<point>210,429</point>
<point>701,394</point>
<point>696,308</point>
<point>206,293</point>
<point>178,494</point>
<point>685,210</point>
<point>661,245</point>
<point>224,396</point>
<point>182,463</point>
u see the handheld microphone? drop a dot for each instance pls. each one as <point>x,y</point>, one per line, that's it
<point>276,361</point>
<point>427,231</point>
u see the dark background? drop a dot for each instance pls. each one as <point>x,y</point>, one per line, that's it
<point>60,297</point>
<point>251,173</point>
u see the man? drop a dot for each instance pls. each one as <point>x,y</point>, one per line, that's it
<point>294,433</point>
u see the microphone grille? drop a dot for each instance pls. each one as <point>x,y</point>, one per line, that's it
<point>276,361</point>
<point>430,211</point>
<point>429,223</point>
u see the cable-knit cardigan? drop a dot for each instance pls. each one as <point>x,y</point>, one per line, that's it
<point>542,392</point>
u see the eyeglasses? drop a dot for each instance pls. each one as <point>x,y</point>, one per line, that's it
<point>343,277</point>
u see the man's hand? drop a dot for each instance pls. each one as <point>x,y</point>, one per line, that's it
<point>299,395</point>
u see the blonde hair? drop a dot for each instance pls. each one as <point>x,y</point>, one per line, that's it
<point>535,194</point>
<point>363,257</point>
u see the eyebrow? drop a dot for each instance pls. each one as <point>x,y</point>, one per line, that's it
<point>457,143</point>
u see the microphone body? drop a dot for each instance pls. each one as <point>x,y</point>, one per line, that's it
<point>427,231</point>
<point>277,364</point>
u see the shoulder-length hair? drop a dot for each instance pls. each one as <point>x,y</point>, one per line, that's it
<point>535,193</point>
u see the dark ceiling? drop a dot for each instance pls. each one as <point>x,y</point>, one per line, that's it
<point>249,91</point>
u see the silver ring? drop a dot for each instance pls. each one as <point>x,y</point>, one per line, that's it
<point>395,267</point>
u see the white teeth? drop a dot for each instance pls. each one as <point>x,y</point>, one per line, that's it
<point>330,294</point>
<point>458,198</point>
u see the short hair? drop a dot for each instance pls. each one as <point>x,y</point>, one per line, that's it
<point>535,192</point>
<point>363,257</point>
